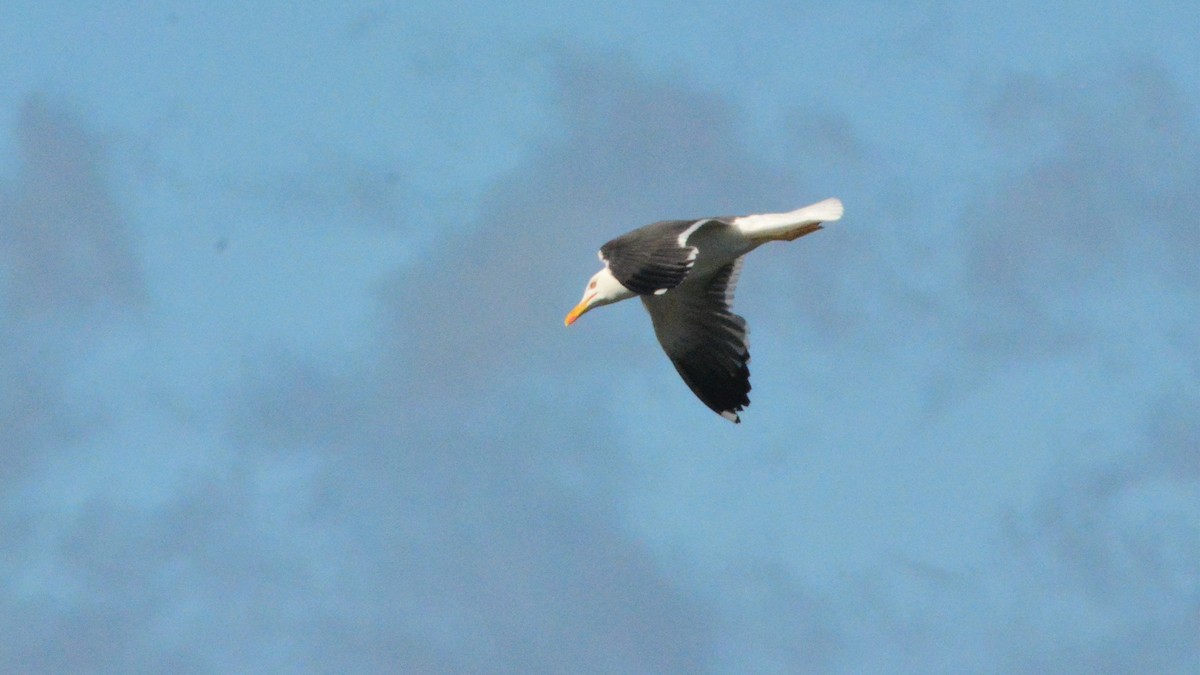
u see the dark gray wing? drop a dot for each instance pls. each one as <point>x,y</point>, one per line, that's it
<point>652,260</point>
<point>705,340</point>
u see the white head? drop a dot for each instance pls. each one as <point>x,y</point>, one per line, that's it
<point>602,289</point>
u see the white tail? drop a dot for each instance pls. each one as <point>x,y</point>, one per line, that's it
<point>792,224</point>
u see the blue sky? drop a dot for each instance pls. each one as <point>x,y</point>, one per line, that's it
<point>286,387</point>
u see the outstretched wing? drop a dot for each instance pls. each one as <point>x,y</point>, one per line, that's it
<point>705,340</point>
<point>652,260</point>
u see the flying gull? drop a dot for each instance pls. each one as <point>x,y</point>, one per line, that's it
<point>685,272</point>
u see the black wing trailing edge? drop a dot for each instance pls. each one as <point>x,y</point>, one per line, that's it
<point>650,259</point>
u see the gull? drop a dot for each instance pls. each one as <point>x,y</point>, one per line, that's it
<point>685,272</point>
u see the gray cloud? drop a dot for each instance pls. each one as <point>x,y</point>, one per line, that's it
<point>448,431</point>
<point>1098,215</point>
<point>1097,575</point>
<point>440,489</point>
<point>69,269</point>
<point>64,238</point>
<point>1112,200</point>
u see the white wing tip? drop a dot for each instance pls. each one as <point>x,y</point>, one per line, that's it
<point>731,416</point>
<point>825,211</point>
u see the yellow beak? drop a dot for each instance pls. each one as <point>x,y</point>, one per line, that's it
<point>579,310</point>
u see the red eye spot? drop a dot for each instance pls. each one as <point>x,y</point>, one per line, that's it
<point>592,286</point>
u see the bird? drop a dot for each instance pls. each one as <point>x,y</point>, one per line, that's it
<point>685,272</point>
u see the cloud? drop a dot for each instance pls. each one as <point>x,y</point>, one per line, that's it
<point>455,455</point>
<point>1076,260</point>
<point>446,462</point>
<point>69,269</point>
<point>1095,575</point>
<point>1110,202</point>
<point>474,453</point>
<point>70,274</point>
<point>431,506</point>
<point>65,239</point>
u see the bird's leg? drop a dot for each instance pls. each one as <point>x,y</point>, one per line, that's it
<point>795,234</point>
